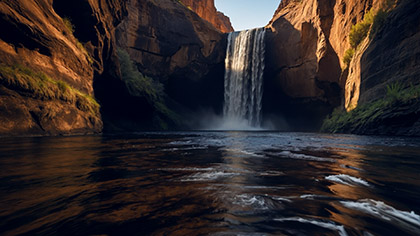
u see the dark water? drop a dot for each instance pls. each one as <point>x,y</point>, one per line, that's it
<point>217,183</point>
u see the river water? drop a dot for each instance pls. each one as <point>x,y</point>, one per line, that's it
<point>210,183</point>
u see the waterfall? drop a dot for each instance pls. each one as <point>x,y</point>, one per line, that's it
<point>244,78</point>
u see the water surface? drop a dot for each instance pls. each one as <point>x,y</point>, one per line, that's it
<point>210,183</point>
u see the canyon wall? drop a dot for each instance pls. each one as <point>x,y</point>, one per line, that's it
<point>206,9</point>
<point>393,55</point>
<point>306,43</point>
<point>383,88</point>
<point>173,45</point>
<point>85,66</point>
<point>63,68</point>
<point>50,55</point>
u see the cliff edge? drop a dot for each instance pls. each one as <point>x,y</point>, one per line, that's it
<point>206,9</point>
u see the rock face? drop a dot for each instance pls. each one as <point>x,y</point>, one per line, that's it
<point>305,46</point>
<point>172,44</point>
<point>57,55</point>
<point>41,37</point>
<point>393,56</point>
<point>207,10</point>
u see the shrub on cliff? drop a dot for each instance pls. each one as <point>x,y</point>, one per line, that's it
<point>70,27</point>
<point>348,56</point>
<point>370,24</point>
<point>358,32</point>
<point>139,85</point>
<point>378,22</point>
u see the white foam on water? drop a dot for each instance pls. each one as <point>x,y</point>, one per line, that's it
<point>247,153</point>
<point>257,202</point>
<point>387,213</point>
<point>186,142</point>
<point>282,199</point>
<point>308,196</point>
<point>187,169</point>
<point>324,224</point>
<point>184,148</point>
<point>319,197</point>
<point>304,157</point>
<point>208,176</point>
<point>347,180</point>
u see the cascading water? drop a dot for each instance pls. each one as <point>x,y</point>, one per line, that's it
<point>244,79</point>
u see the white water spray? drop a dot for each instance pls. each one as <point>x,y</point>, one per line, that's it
<point>244,79</point>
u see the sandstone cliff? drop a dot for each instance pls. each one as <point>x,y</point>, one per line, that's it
<point>173,45</point>
<point>305,48</point>
<point>207,10</point>
<point>50,54</point>
<point>59,60</point>
<point>382,89</point>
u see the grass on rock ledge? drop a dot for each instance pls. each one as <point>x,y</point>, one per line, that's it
<point>38,85</point>
<point>397,95</point>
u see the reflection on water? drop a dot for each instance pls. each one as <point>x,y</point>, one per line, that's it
<point>221,183</point>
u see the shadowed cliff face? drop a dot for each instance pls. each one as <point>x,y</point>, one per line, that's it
<point>384,75</point>
<point>305,51</point>
<point>207,10</point>
<point>64,53</point>
<point>303,71</point>
<point>393,55</point>
<point>53,44</point>
<point>172,44</point>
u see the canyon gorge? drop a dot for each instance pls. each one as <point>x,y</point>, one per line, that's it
<point>85,67</point>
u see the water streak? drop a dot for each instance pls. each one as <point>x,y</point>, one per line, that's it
<point>244,79</point>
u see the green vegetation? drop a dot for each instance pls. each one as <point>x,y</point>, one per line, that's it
<point>378,22</point>
<point>40,86</point>
<point>360,30</point>
<point>138,84</point>
<point>370,25</point>
<point>348,56</point>
<point>396,94</point>
<point>142,86</point>
<point>70,27</point>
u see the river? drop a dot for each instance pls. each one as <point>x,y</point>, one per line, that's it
<point>210,183</point>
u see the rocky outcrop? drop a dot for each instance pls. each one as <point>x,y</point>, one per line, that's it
<point>393,55</point>
<point>173,45</point>
<point>207,10</point>
<point>382,89</point>
<point>305,47</point>
<point>51,54</point>
<point>56,56</point>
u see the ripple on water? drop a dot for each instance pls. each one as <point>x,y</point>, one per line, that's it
<point>386,213</point>
<point>256,202</point>
<point>209,176</point>
<point>324,224</point>
<point>347,180</point>
<point>305,157</point>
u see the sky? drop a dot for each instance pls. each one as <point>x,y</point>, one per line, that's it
<point>248,14</point>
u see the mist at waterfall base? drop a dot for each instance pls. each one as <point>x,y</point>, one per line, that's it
<point>243,84</point>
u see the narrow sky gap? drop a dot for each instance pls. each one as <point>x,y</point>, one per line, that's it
<point>248,14</point>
